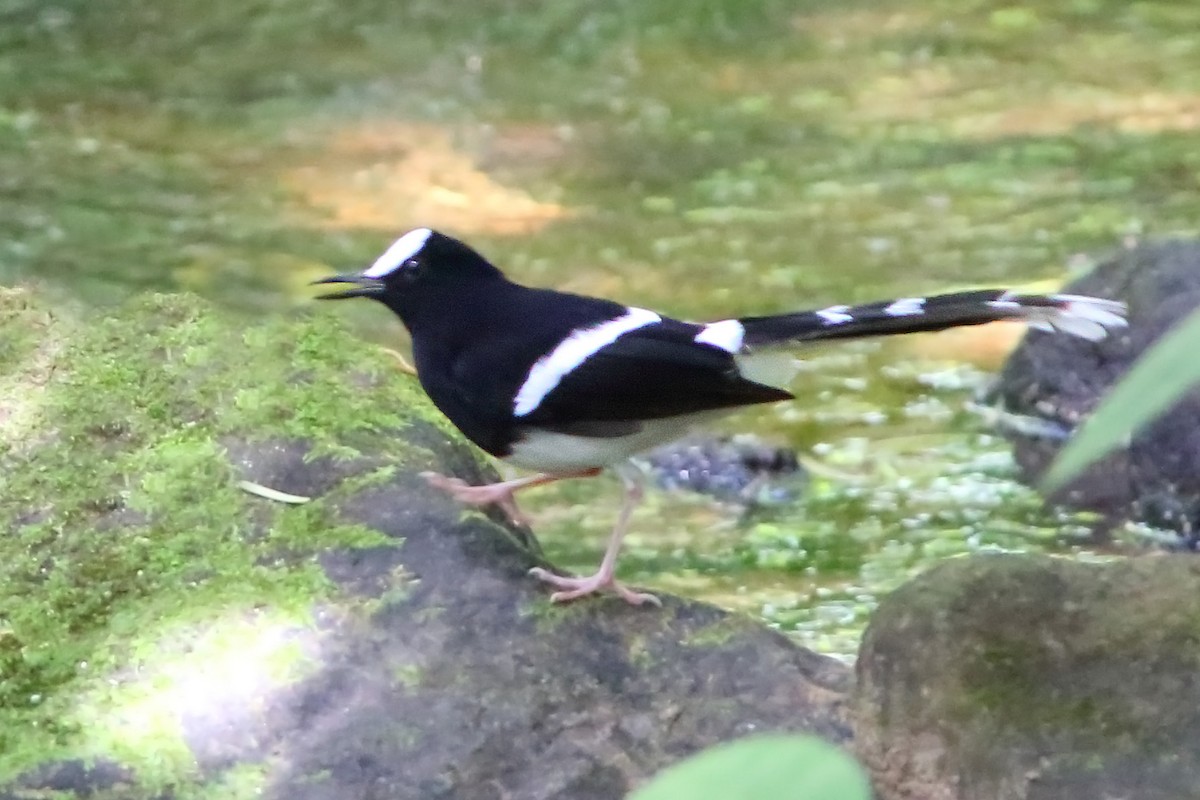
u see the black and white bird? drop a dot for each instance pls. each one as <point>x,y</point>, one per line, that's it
<point>565,385</point>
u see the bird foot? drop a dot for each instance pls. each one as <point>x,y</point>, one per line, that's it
<point>574,588</point>
<point>500,494</point>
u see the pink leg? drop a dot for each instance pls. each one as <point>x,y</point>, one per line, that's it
<point>604,578</point>
<point>501,494</point>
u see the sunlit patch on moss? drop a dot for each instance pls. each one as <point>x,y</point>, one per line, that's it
<point>215,673</point>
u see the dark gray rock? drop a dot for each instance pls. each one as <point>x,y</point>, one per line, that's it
<point>1058,380</point>
<point>460,680</point>
<point>1032,678</point>
<point>164,635</point>
<point>472,685</point>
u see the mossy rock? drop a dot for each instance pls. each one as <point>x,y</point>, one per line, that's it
<point>1033,678</point>
<point>164,633</point>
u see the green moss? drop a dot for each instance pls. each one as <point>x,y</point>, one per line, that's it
<point>127,534</point>
<point>1031,654</point>
<point>717,634</point>
<point>1005,688</point>
<point>375,477</point>
<point>1005,679</point>
<point>398,588</point>
<point>546,616</point>
<point>407,675</point>
<point>640,655</point>
<point>313,779</point>
<point>18,314</point>
<point>53,794</point>
<point>294,526</point>
<point>243,782</point>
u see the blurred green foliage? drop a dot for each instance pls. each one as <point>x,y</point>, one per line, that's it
<point>762,768</point>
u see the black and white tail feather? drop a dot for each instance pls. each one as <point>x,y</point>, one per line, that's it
<point>1088,318</point>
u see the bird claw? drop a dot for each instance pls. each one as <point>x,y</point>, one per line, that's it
<point>501,494</point>
<point>488,494</point>
<point>574,588</point>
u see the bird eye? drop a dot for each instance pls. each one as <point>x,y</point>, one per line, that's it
<point>410,269</point>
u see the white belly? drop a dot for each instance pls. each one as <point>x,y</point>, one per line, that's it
<point>547,451</point>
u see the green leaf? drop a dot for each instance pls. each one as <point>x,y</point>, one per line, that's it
<point>762,768</point>
<point>1164,373</point>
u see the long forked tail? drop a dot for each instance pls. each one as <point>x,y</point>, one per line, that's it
<point>1086,317</point>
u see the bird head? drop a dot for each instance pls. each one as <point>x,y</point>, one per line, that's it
<point>417,264</point>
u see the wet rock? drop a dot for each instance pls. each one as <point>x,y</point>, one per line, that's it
<point>1033,678</point>
<point>376,642</point>
<point>737,469</point>
<point>1055,381</point>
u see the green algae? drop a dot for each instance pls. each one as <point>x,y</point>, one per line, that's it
<point>127,533</point>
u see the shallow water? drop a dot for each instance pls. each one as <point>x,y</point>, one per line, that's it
<point>703,158</point>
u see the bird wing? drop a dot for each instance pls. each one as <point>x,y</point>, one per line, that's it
<point>652,372</point>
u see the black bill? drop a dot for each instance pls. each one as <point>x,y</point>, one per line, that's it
<point>362,287</point>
